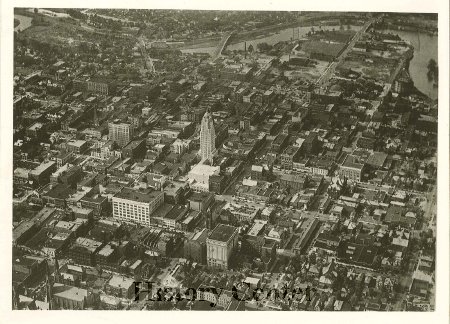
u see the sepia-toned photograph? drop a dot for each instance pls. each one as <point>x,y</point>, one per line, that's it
<point>224,160</point>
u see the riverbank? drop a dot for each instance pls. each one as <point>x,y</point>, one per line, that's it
<point>425,48</point>
<point>407,28</point>
<point>414,89</point>
<point>306,21</point>
<point>208,42</point>
<point>267,31</point>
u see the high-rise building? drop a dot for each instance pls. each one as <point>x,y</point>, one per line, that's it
<point>207,137</point>
<point>220,244</point>
<point>121,133</point>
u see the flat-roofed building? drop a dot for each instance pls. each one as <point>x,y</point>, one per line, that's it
<point>41,174</point>
<point>257,172</point>
<point>195,246</point>
<point>135,149</point>
<point>180,146</point>
<point>136,206</point>
<point>77,146</point>
<point>200,201</point>
<point>307,229</point>
<point>288,156</point>
<point>107,256</point>
<point>351,169</point>
<point>70,297</point>
<point>200,175</point>
<point>242,212</point>
<point>62,158</point>
<point>255,236</point>
<point>120,286</point>
<point>121,133</point>
<point>173,216</point>
<point>100,86</point>
<point>83,251</point>
<point>220,245</point>
<point>294,181</point>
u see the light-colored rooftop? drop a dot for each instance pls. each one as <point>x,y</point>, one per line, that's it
<point>70,292</point>
<point>256,228</point>
<point>121,282</point>
<point>204,169</point>
<point>87,243</point>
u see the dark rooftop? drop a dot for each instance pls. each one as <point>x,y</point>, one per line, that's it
<point>200,196</point>
<point>222,233</point>
<point>139,196</point>
<point>60,191</point>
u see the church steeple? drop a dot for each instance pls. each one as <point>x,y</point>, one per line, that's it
<point>56,273</point>
<point>48,288</point>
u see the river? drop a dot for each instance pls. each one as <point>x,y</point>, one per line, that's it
<point>24,22</point>
<point>271,39</point>
<point>282,36</point>
<point>425,48</point>
<point>423,52</point>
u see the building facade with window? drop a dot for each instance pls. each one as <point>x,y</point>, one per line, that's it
<point>220,244</point>
<point>136,206</point>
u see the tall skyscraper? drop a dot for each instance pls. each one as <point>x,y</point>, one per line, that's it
<point>121,133</point>
<point>207,137</point>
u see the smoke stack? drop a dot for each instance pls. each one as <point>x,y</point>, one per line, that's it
<point>245,49</point>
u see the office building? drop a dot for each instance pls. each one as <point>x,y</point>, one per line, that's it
<point>136,206</point>
<point>220,245</point>
<point>121,133</point>
<point>207,137</point>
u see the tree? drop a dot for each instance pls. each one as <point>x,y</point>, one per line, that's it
<point>264,47</point>
<point>250,48</point>
<point>432,73</point>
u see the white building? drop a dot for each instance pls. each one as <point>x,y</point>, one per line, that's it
<point>200,175</point>
<point>180,146</point>
<point>136,206</point>
<point>121,133</point>
<point>207,137</point>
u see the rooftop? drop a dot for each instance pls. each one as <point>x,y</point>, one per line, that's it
<point>222,233</point>
<point>138,196</point>
<point>200,235</point>
<point>121,282</point>
<point>43,166</point>
<point>107,250</point>
<point>76,143</point>
<point>89,244</point>
<point>256,228</point>
<point>377,159</point>
<point>204,169</point>
<point>69,292</point>
<point>200,196</point>
<point>352,162</point>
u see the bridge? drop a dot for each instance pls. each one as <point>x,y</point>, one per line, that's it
<point>222,44</point>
